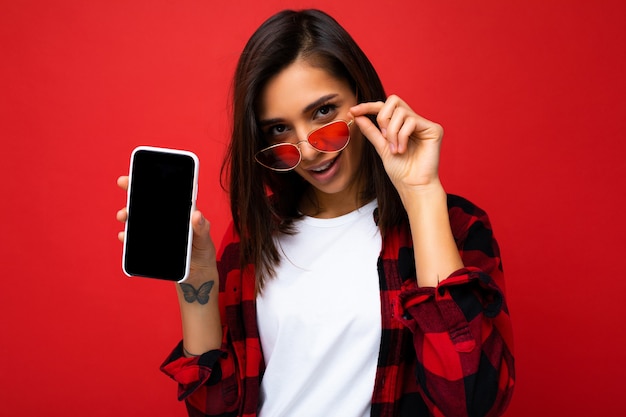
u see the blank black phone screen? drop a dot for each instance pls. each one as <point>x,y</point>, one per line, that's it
<point>159,211</point>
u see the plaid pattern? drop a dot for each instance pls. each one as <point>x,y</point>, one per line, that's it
<point>444,351</point>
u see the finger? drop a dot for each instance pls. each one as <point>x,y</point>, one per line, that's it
<point>387,110</point>
<point>371,132</point>
<point>385,113</point>
<point>122,182</point>
<point>404,135</point>
<point>372,107</point>
<point>122,215</point>
<point>395,122</point>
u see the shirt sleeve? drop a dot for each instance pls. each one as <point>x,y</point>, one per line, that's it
<point>462,330</point>
<point>206,383</point>
<point>209,384</point>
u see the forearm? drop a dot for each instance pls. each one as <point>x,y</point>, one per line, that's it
<point>206,374</point>
<point>436,253</point>
<point>201,324</point>
<point>469,307</point>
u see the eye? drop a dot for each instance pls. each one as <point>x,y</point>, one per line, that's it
<point>276,133</point>
<point>277,129</point>
<point>326,110</point>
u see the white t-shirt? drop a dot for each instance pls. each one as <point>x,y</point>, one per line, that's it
<point>319,319</point>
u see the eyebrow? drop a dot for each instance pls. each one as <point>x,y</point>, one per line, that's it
<point>308,108</point>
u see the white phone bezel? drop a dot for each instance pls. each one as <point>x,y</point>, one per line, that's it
<point>193,202</point>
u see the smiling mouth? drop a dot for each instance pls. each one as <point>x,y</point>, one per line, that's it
<point>324,167</point>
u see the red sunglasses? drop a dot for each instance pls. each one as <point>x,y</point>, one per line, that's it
<point>282,157</point>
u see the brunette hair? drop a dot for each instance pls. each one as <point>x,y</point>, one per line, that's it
<point>263,202</point>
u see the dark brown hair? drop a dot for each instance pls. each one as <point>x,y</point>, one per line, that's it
<point>263,202</point>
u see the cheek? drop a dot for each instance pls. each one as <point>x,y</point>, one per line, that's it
<point>355,148</point>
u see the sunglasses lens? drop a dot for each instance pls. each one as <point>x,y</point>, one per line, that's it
<point>330,138</point>
<point>280,157</point>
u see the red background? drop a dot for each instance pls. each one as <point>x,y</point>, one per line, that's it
<point>531,95</point>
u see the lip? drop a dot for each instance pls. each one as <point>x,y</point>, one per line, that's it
<point>327,175</point>
<point>314,168</point>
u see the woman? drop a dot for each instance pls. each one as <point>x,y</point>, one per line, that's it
<point>350,284</point>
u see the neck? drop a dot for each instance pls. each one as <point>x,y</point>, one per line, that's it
<point>317,204</point>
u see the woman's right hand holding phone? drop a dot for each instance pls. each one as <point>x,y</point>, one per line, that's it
<point>198,294</point>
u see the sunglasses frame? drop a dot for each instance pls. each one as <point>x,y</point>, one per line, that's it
<point>297,146</point>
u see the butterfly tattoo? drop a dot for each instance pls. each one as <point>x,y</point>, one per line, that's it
<point>201,294</point>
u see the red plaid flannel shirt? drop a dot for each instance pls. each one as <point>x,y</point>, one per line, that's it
<point>445,351</point>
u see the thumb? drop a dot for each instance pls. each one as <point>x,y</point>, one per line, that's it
<point>201,232</point>
<point>372,133</point>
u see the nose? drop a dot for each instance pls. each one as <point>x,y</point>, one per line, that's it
<point>307,151</point>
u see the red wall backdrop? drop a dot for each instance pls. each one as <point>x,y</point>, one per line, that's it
<point>531,95</point>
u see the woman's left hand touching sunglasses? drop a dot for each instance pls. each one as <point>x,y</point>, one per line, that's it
<point>408,144</point>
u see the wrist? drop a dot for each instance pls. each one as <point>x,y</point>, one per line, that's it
<point>414,197</point>
<point>189,354</point>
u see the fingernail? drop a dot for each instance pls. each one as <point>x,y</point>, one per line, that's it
<point>392,147</point>
<point>201,222</point>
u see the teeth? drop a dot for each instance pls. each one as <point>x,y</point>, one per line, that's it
<point>323,167</point>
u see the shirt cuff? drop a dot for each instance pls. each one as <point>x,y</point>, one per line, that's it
<point>457,300</point>
<point>193,372</point>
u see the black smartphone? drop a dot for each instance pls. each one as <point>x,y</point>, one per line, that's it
<point>162,192</point>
